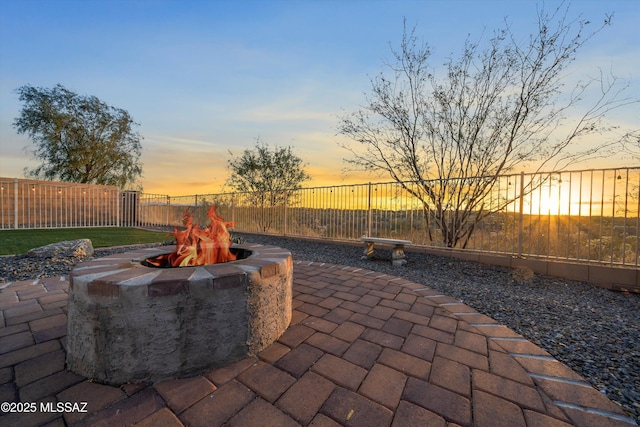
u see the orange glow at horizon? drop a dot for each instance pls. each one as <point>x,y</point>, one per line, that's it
<point>320,177</point>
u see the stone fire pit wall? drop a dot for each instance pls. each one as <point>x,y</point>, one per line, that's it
<point>129,323</point>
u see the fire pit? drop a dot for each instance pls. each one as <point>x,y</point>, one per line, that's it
<point>129,321</point>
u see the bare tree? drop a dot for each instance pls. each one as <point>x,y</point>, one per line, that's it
<point>631,144</point>
<point>494,108</point>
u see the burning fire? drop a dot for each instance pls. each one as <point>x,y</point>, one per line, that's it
<point>195,246</point>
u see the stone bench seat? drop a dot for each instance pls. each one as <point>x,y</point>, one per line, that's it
<point>397,253</point>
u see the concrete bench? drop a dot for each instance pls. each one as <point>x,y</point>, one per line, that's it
<point>397,254</point>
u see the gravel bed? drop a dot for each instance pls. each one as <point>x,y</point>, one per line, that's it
<point>593,330</point>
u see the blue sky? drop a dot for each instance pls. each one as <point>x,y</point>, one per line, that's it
<point>206,77</point>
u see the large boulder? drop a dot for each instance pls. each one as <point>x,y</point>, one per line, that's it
<point>71,248</point>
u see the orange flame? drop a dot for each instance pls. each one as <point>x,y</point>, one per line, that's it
<point>195,246</point>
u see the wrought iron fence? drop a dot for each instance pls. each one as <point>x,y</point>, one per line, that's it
<point>585,215</point>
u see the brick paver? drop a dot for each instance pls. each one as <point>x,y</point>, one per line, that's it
<point>299,360</point>
<point>302,405</point>
<point>266,381</point>
<point>363,353</point>
<point>349,408</point>
<point>451,406</point>
<point>261,413</point>
<point>409,414</point>
<point>97,396</point>
<point>182,393</point>
<point>383,385</point>
<point>451,375</point>
<point>340,371</point>
<point>363,349</point>
<point>164,417</point>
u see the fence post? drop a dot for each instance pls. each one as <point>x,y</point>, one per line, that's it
<point>521,216</point>
<point>15,203</point>
<point>168,210</point>
<point>233,207</point>
<point>369,213</point>
<point>286,202</point>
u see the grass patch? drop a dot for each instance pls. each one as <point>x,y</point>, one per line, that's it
<point>20,241</point>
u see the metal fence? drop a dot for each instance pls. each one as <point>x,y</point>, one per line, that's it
<point>584,215</point>
<point>42,204</point>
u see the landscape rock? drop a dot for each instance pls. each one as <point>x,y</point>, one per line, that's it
<point>71,248</point>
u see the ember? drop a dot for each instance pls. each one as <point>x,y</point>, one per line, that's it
<point>195,246</point>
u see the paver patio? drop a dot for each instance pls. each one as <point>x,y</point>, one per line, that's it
<point>363,349</point>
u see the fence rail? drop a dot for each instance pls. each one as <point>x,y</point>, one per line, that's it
<point>583,215</point>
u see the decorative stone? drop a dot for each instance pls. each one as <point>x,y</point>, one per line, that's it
<point>128,322</point>
<point>71,248</point>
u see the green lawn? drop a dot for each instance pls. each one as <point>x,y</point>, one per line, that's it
<point>20,241</point>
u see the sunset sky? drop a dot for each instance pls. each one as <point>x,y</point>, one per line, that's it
<point>207,77</point>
